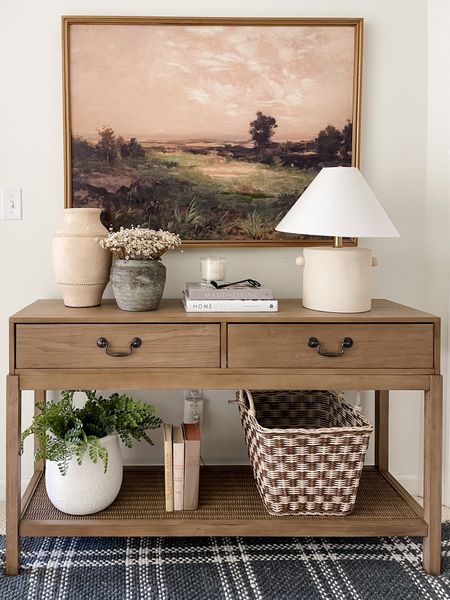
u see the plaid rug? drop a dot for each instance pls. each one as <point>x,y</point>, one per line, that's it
<point>224,568</point>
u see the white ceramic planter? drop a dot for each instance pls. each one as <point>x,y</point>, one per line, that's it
<point>80,264</point>
<point>86,489</point>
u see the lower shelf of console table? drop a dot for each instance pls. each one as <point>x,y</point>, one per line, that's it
<point>229,504</point>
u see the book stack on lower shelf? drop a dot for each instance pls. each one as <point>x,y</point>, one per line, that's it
<point>181,465</point>
<point>199,297</point>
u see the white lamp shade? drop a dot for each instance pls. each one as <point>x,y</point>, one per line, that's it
<point>338,202</point>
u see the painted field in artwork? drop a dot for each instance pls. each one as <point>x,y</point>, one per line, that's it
<point>212,132</point>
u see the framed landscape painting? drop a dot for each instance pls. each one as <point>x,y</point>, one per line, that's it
<point>208,127</point>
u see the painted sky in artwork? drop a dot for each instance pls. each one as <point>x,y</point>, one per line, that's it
<point>207,82</point>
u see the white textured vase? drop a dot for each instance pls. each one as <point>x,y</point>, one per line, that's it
<point>81,266</point>
<point>86,488</point>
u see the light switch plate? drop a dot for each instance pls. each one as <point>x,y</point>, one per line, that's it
<point>11,204</point>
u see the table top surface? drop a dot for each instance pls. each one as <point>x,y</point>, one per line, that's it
<point>172,311</point>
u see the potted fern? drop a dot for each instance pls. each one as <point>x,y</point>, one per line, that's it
<point>81,448</point>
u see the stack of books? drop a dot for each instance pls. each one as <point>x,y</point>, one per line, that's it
<point>181,465</point>
<point>237,298</point>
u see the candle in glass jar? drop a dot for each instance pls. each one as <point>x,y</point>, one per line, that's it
<point>212,268</point>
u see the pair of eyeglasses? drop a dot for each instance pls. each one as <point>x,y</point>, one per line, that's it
<point>250,282</point>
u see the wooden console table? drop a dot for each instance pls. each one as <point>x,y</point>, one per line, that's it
<point>394,348</point>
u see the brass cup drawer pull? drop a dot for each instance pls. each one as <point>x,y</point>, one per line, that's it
<point>102,343</point>
<point>346,343</point>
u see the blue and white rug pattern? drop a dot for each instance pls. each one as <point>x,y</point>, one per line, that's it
<point>224,568</point>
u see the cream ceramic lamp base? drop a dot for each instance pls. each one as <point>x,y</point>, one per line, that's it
<point>337,279</point>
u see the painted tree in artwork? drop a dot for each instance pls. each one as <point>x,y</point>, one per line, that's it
<point>261,130</point>
<point>329,142</point>
<point>107,146</point>
<point>132,149</point>
<point>347,143</point>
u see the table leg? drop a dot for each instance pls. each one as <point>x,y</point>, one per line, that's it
<point>432,475</point>
<point>382,429</point>
<point>13,491</point>
<point>39,396</point>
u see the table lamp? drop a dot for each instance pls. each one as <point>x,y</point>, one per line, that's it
<point>338,203</point>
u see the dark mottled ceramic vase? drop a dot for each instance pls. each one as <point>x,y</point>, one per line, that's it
<point>138,284</point>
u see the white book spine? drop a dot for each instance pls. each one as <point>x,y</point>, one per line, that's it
<point>230,305</point>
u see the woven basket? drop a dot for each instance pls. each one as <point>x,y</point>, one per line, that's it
<point>306,449</point>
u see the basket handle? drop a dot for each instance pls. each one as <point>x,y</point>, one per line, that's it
<point>251,409</point>
<point>357,408</point>
<point>251,404</point>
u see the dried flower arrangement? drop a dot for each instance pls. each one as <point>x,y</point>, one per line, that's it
<point>139,243</point>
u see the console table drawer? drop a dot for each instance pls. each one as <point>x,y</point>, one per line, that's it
<point>374,346</point>
<point>75,346</point>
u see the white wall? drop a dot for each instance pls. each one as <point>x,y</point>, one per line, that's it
<point>437,205</point>
<point>394,141</point>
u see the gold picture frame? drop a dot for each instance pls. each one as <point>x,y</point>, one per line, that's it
<point>213,186</point>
